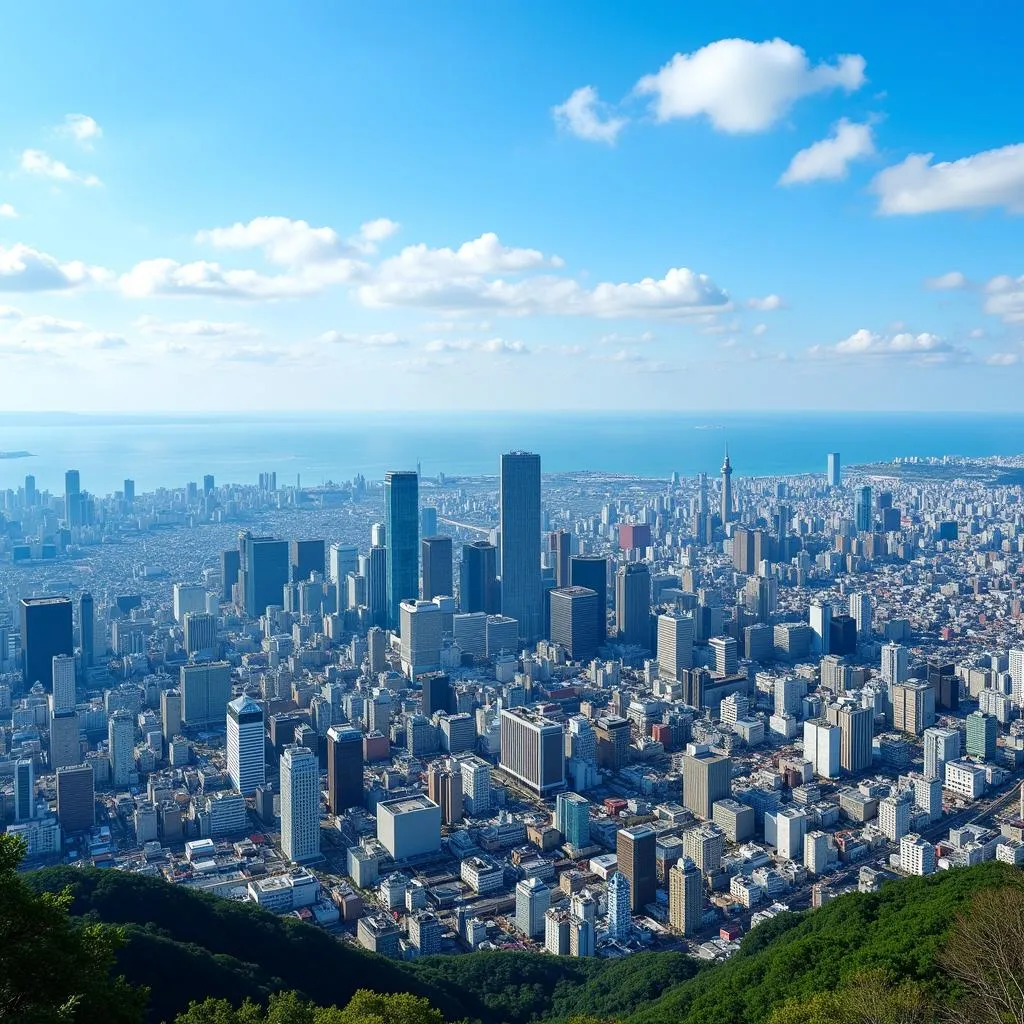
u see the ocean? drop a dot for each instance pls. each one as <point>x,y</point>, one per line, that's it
<point>170,451</point>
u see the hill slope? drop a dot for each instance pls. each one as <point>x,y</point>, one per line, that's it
<point>186,945</point>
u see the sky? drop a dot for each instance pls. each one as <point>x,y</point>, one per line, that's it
<point>348,206</point>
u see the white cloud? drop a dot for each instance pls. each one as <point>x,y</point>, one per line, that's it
<point>170,278</point>
<point>946,282</point>
<point>283,241</point>
<point>23,269</point>
<point>10,313</point>
<point>1003,359</point>
<point>484,255</point>
<point>830,158</point>
<point>50,325</point>
<point>374,231</point>
<point>35,161</point>
<point>1004,298</point>
<point>758,329</point>
<point>992,178</point>
<point>194,328</point>
<point>6,210</point>
<point>616,338</point>
<point>586,116</point>
<point>82,128</point>
<point>768,304</point>
<point>743,86</point>
<point>386,340</point>
<point>922,348</point>
<point>492,346</point>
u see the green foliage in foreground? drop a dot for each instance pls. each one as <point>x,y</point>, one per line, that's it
<point>364,1007</point>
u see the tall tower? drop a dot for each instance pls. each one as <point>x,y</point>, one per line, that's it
<point>520,525</point>
<point>245,744</point>
<point>87,630</point>
<point>300,804</point>
<point>402,530</point>
<point>726,488</point>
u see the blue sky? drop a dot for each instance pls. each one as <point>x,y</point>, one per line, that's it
<point>511,206</point>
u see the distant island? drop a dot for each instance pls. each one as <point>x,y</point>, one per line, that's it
<point>16,455</point>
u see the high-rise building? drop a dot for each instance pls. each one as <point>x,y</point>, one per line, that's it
<point>479,590</point>
<point>420,630</point>
<point>942,678</point>
<point>342,559</point>
<point>205,692</point>
<point>230,568</point>
<point>306,557</point>
<point>63,674</point>
<point>864,511</point>
<point>573,621</point>
<point>72,498</point>
<point>402,523</point>
<point>675,644</point>
<point>685,897</point>
<point>65,745</point>
<point>245,745</point>
<point>76,798</point>
<point>444,787</point>
<point>121,748</point>
<point>633,604</point>
<point>46,631</point>
<point>726,652</point>
<point>377,586</point>
<point>520,527</point>
<point>24,789</point>
<point>533,898</point>
<point>940,746</point>
<point>263,573</point>
<point>437,567</point>
<point>823,747</point>
<point>572,819</point>
<point>300,804</point>
<point>186,598</point>
<point>591,571</point>
<point>707,777</point>
<point>982,731</point>
<point>344,768</point>
<point>913,707</point>
<point>835,470</point>
<point>428,521</point>
<point>561,551</point>
<point>636,854</point>
<point>856,728</point>
<point>437,694</point>
<point>170,714</point>
<point>87,631</point>
<point>821,627</point>
<point>200,633</point>
<point>476,785</point>
<point>533,749</point>
<point>895,663</point>
<point>727,500</point>
<point>620,918</point>
<point>860,612</point>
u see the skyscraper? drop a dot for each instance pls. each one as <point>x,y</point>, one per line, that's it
<point>591,571</point>
<point>344,768</point>
<point>230,566</point>
<point>633,604</point>
<point>856,726</point>
<point>245,745</point>
<point>821,626</point>
<point>264,572</point>
<point>533,898</point>
<point>300,804</point>
<point>707,777</point>
<point>685,897</point>
<point>377,587</point>
<point>520,529</point>
<point>24,789</point>
<point>863,512</point>
<point>620,920</point>
<point>727,509</point>
<point>533,749</point>
<point>72,498</point>
<point>573,621</point>
<point>63,683</point>
<point>675,644</point>
<point>205,692</point>
<point>479,590</point>
<point>306,557</point>
<point>65,745</point>
<point>437,694</point>
<point>121,748</point>
<point>170,714</point>
<point>76,798</point>
<point>46,631</point>
<point>572,819</point>
<point>561,552</point>
<point>200,633</point>
<point>835,471</point>
<point>636,853</point>
<point>402,526</point>
<point>87,630</point>
<point>437,567</point>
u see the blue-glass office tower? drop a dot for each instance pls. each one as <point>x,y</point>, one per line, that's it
<point>46,631</point>
<point>72,498</point>
<point>402,526</point>
<point>835,470</point>
<point>863,511</point>
<point>520,528</point>
<point>377,587</point>
<point>264,572</point>
<point>87,630</point>
<point>479,590</point>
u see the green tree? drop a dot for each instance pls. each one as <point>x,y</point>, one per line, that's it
<point>869,998</point>
<point>290,1008</point>
<point>53,969</point>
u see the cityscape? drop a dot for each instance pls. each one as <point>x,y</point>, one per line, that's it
<point>573,713</point>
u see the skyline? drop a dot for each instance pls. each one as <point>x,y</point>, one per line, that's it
<point>694,213</point>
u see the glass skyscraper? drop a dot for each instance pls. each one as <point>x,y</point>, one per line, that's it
<point>402,526</point>
<point>520,529</point>
<point>864,511</point>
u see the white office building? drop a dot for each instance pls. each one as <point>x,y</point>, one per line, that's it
<point>785,830</point>
<point>421,637</point>
<point>409,826</point>
<point>300,804</point>
<point>63,698</point>
<point>894,816</point>
<point>823,747</point>
<point>675,644</point>
<point>533,749</point>
<point>917,855</point>
<point>245,745</point>
<point>821,624</point>
<point>121,748</point>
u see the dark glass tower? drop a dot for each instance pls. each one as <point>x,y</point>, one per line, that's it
<point>344,768</point>
<point>264,571</point>
<point>520,527</point>
<point>87,630</point>
<point>230,564</point>
<point>478,589</point>
<point>864,513</point>
<point>72,498</point>
<point>561,550</point>
<point>437,567</point>
<point>305,557</point>
<point>402,523</point>
<point>591,571</point>
<point>633,604</point>
<point>46,631</point>
<point>377,587</point>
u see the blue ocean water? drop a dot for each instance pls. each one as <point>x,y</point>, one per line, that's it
<point>172,450</point>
